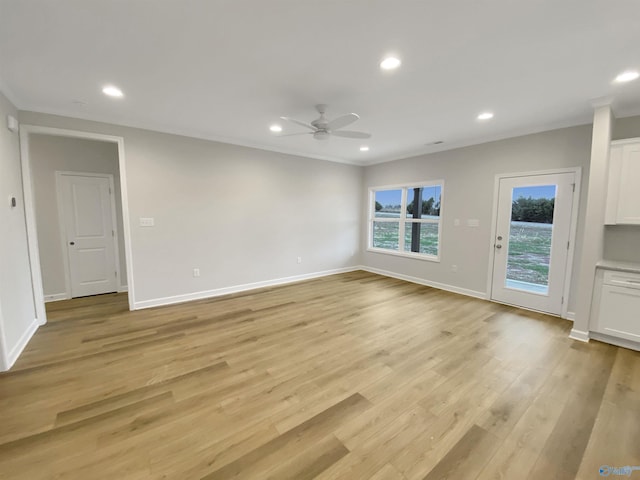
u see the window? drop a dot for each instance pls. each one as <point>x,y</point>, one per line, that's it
<point>406,220</point>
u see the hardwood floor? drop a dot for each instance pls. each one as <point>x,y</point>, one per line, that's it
<point>352,376</point>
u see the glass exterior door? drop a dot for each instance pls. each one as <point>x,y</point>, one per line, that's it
<point>531,241</point>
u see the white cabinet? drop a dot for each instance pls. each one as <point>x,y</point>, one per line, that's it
<point>616,308</point>
<point>623,192</point>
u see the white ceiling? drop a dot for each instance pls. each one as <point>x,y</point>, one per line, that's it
<point>227,69</point>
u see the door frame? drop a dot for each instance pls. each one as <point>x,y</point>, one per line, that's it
<point>29,206</point>
<point>577,171</point>
<point>63,230</point>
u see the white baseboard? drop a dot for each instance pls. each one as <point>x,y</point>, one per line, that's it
<point>571,316</point>
<point>123,288</point>
<point>579,335</point>
<point>17,349</point>
<point>55,297</point>
<point>620,342</point>
<point>428,283</point>
<point>156,302</point>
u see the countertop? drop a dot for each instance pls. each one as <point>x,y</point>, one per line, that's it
<point>619,266</point>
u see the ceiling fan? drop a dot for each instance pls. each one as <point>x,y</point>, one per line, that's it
<point>322,129</point>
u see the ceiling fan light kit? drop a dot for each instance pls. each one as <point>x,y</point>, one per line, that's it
<point>322,129</point>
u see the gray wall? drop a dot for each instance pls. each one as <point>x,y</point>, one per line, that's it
<point>627,127</point>
<point>622,242</point>
<point>17,310</point>
<point>238,214</point>
<point>469,175</point>
<point>49,154</point>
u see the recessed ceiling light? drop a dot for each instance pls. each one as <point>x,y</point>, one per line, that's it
<point>390,63</point>
<point>627,76</point>
<point>364,148</point>
<point>112,91</point>
<point>275,128</point>
<point>485,116</point>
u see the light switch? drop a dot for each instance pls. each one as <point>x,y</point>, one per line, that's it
<point>146,222</point>
<point>473,222</point>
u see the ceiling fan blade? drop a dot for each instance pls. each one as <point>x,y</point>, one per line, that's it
<point>351,134</point>
<point>342,121</point>
<point>298,122</point>
<point>294,134</point>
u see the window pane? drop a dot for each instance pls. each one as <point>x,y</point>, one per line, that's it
<point>427,199</point>
<point>421,238</point>
<point>388,203</point>
<point>530,238</point>
<point>385,235</point>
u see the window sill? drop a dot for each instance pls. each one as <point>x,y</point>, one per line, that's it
<point>427,258</point>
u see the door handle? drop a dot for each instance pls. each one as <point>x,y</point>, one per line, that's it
<point>72,243</point>
<point>498,246</point>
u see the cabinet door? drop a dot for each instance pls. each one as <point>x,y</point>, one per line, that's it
<point>629,196</point>
<point>619,314</point>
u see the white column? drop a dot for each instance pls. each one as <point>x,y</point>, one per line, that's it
<point>593,241</point>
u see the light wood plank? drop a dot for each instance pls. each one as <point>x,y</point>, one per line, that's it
<point>344,377</point>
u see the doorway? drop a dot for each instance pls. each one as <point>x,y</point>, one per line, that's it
<point>88,228</point>
<point>532,242</point>
<point>27,133</point>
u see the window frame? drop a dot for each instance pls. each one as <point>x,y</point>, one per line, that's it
<point>404,220</point>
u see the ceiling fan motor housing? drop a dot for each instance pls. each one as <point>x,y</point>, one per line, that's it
<point>321,123</point>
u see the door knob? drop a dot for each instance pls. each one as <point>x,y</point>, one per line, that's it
<point>498,246</point>
<point>499,237</point>
<point>72,243</point>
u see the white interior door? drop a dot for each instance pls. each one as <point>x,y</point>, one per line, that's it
<point>90,236</point>
<point>531,241</point>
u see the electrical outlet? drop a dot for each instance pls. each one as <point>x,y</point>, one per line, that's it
<point>454,268</point>
<point>299,259</point>
<point>196,272</point>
